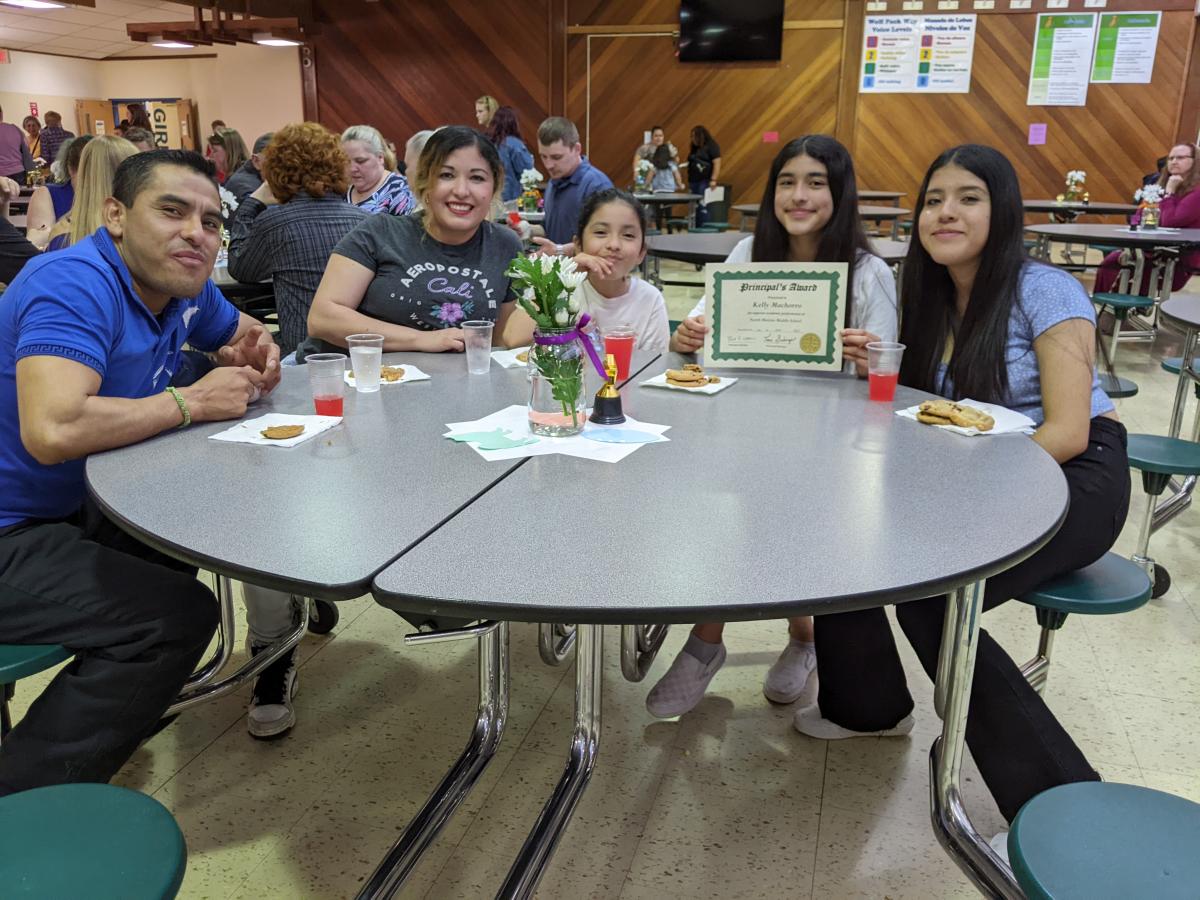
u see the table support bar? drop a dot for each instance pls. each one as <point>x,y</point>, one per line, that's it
<point>639,646</point>
<point>404,855</point>
<point>531,862</point>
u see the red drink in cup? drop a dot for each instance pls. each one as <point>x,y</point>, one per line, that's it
<point>326,376</point>
<point>883,369</point>
<point>328,406</point>
<point>882,387</point>
<point>619,342</point>
<point>515,218</point>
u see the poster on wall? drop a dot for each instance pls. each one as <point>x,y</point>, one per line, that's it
<point>164,121</point>
<point>1125,47</point>
<point>1062,59</point>
<point>918,54</point>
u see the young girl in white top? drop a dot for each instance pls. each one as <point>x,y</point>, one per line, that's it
<point>611,238</point>
<point>809,213</point>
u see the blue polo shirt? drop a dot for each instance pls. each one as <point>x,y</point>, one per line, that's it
<point>79,304</point>
<point>564,200</point>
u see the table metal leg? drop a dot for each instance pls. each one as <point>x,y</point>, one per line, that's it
<point>555,641</point>
<point>639,646</point>
<point>535,855</point>
<point>950,821</point>
<point>490,720</point>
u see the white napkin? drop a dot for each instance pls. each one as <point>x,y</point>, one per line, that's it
<point>411,373</point>
<point>1160,228</point>
<point>249,431</point>
<point>1007,421</point>
<point>508,358</point>
<point>516,420</point>
<point>660,380</point>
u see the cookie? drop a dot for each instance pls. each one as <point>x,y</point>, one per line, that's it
<point>282,432</point>
<point>391,373</point>
<point>932,420</point>
<point>523,356</point>
<point>686,375</point>
<point>955,414</point>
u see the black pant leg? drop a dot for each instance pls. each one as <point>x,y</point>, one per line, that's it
<point>862,683</point>
<point>137,624</point>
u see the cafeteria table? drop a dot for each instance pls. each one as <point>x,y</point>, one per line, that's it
<point>19,221</point>
<point>827,508</point>
<point>1067,211</point>
<point>868,211</point>
<point>662,200</point>
<point>240,293</point>
<point>885,196</point>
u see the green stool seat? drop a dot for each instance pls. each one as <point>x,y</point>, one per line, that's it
<point>1174,363</point>
<point>1096,841</point>
<point>89,840</point>
<point>1164,455</point>
<point>1108,586</point>
<point>1122,302</point>
<point>19,661</point>
<point>1117,387</point>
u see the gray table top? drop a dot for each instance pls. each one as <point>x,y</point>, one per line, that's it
<point>706,248</point>
<point>784,494</point>
<point>1080,208</point>
<point>1118,235</point>
<point>323,517</point>
<point>1182,311</point>
<point>880,195</point>
<point>865,210</point>
<point>663,197</point>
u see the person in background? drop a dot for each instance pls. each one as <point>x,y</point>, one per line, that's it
<point>138,117</point>
<point>506,135</point>
<point>52,201</point>
<point>33,138</point>
<point>288,227</point>
<point>666,172</point>
<point>572,180</point>
<point>485,108</point>
<point>1179,208</point>
<point>217,125</point>
<point>140,138</point>
<point>412,151</point>
<point>248,177</point>
<point>15,249</point>
<point>88,341</point>
<point>97,166</point>
<point>15,159</point>
<point>1156,175</point>
<point>704,167</point>
<point>658,138</point>
<point>53,136</point>
<point>227,151</point>
<point>372,185</point>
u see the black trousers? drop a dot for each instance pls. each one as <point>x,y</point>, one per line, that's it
<point>137,622</point>
<point>1019,745</point>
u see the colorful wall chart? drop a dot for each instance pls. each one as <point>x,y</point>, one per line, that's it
<point>1062,59</point>
<point>918,54</point>
<point>1125,47</point>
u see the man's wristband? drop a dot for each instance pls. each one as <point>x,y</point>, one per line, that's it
<point>183,407</point>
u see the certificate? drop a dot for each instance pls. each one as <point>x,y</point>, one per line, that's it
<point>775,315</point>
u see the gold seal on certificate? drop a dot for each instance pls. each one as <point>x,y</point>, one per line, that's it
<point>775,315</point>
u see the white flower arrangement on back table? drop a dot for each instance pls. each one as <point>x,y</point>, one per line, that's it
<point>1075,192</point>
<point>531,179</point>
<point>1150,195</point>
<point>229,203</point>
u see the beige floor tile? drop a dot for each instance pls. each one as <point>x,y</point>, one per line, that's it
<point>469,873</point>
<point>1164,733</point>
<point>1178,783</point>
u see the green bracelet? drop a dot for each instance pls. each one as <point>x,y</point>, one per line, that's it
<point>183,408</point>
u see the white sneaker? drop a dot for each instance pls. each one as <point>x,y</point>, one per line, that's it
<point>788,675</point>
<point>683,686</point>
<point>271,714</point>
<point>808,721</point>
<point>999,845</point>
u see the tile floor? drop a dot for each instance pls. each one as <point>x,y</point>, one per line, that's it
<point>727,801</point>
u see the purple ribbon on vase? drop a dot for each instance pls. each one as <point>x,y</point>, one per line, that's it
<point>575,334</point>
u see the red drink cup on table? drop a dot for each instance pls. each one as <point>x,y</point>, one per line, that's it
<point>326,376</point>
<point>883,369</point>
<point>619,342</point>
<point>514,218</point>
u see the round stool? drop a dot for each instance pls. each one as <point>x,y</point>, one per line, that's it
<point>1121,305</point>
<point>1117,387</point>
<point>1098,841</point>
<point>1158,458</point>
<point>19,661</point>
<point>89,840</point>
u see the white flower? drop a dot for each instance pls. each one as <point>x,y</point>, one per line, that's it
<point>1076,176</point>
<point>561,317</point>
<point>547,263</point>
<point>229,203</point>
<point>572,280</point>
<point>566,265</point>
<point>530,178</point>
<point>1152,193</point>
<point>529,294</point>
<point>573,305</point>
<point>644,166</point>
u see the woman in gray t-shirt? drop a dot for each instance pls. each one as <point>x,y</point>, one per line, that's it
<point>414,279</point>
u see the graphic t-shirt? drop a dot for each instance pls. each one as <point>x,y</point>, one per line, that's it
<point>422,283</point>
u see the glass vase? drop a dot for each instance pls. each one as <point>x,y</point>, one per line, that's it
<point>1150,218</point>
<point>556,403</point>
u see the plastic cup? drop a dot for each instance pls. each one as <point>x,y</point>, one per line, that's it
<point>366,356</point>
<point>477,336</point>
<point>326,373</point>
<point>619,343</point>
<point>883,369</point>
<point>514,218</point>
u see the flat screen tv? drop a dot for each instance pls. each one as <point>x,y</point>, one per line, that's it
<point>730,30</point>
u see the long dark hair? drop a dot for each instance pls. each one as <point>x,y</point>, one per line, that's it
<point>611,195</point>
<point>977,367</point>
<point>138,117</point>
<point>441,144</point>
<point>504,124</point>
<point>700,137</point>
<point>843,238</point>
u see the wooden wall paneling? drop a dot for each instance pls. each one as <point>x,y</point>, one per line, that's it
<point>1115,138</point>
<point>1187,117</point>
<point>848,75</point>
<point>646,12</point>
<point>407,66</point>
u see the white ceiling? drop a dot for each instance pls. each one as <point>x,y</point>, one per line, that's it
<point>89,33</point>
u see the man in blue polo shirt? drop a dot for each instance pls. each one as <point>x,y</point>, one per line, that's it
<point>89,340</point>
<point>572,180</point>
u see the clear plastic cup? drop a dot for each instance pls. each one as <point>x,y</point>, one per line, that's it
<point>366,356</point>
<point>618,342</point>
<point>883,369</point>
<point>326,374</point>
<point>477,336</point>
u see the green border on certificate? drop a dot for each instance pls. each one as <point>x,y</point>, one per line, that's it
<point>776,315</point>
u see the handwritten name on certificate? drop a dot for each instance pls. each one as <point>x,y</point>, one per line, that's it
<point>776,315</point>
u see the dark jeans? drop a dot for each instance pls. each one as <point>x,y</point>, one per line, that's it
<point>137,622</point>
<point>1021,749</point>
<point>699,187</point>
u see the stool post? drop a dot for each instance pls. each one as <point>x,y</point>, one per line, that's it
<point>1185,367</point>
<point>1142,557</point>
